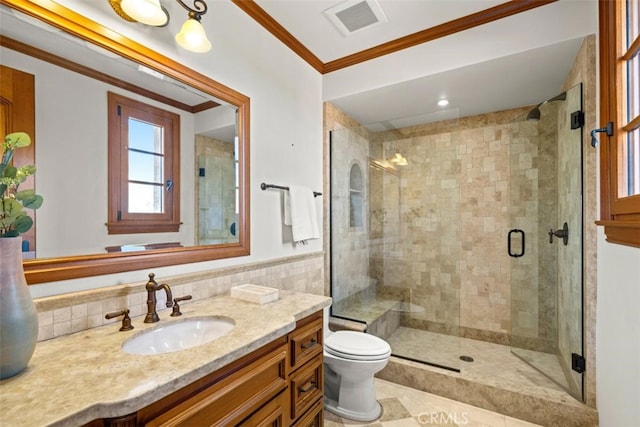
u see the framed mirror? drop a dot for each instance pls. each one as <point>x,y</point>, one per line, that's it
<point>214,159</point>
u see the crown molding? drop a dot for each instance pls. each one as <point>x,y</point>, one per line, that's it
<point>513,7</point>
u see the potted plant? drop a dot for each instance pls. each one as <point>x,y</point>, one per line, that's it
<point>18,316</point>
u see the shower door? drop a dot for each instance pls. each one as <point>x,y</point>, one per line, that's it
<point>545,241</point>
<point>395,245</point>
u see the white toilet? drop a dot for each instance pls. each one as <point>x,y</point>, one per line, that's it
<point>350,361</point>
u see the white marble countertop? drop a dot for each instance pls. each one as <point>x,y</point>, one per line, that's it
<point>77,378</point>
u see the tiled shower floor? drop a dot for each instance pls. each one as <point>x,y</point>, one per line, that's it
<point>493,364</point>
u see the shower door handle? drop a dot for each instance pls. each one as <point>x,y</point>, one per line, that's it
<point>509,237</point>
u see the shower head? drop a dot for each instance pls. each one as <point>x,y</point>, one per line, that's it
<point>534,114</point>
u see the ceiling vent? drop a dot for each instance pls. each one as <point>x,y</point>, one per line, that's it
<point>355,15</point>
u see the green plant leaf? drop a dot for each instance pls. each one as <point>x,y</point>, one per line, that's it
<point>13,218</point>
<point>10,208</point>
<point>33,202</point>
<point>25,194</point>
<point>17,140</point>
<point>23,223</point>
<point>9,172</point>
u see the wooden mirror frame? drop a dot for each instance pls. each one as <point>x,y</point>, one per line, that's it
<point>73,267</point>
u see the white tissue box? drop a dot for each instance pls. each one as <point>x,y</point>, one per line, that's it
<point>254,293</point>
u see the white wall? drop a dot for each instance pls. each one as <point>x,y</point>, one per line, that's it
<point>618,335</point>
<point>286,123</point>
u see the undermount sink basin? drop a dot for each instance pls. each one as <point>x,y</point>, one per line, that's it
<point>178,335</point>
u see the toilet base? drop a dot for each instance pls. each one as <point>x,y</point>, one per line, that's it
<point>333,407</point>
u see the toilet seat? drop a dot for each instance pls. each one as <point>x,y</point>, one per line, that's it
<point>356,346</point>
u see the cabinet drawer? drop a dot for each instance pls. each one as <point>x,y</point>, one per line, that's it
<point>314,417</point>
<point>306,342</point>
<point>306,387</point>
<point>273,414</point>
<point>234,398</point>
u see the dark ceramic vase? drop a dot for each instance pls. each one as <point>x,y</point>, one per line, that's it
<point>18,316</point>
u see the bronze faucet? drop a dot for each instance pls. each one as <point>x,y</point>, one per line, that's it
<point>152,286</point>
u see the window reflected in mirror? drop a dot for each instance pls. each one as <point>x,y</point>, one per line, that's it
<point>144,167</point>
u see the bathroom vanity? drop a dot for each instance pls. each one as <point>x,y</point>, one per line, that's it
<point>268,370</point>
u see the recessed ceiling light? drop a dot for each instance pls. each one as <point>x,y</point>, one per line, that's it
<point>443,102</point>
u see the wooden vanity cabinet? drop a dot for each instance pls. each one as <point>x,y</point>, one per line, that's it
<point>278,385</point>
<point>306,378</point>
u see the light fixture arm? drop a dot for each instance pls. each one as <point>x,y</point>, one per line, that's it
<point>199,9</point>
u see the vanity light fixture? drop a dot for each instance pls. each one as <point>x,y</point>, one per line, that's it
<point>192,35</point>
<point>148,12</point>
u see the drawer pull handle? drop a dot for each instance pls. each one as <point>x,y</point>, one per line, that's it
<point>309,344</point>
<point>307,387</point>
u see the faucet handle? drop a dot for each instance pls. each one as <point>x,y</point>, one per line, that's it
<point>151,282</point>
<point>126,320</point>
<point>176,308</point>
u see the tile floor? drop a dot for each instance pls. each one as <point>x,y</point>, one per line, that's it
<point>406,407</point>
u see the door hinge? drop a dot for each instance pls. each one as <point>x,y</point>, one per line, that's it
<point>577,119</point>
<point>578,363</point>
<point>119,215</point>
<point>119,110</point>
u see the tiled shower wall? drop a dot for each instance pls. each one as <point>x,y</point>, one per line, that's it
<point>455,214</point>
<point>215,189</point>
<point>437,227</point>
<point>349,242</point>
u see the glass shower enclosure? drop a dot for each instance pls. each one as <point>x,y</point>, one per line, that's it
<point>447,238</point>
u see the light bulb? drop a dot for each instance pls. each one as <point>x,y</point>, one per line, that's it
<point>148,12</point>
<point>193,37</point>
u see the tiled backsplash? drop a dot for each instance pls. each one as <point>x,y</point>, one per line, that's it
<point>74,312</point>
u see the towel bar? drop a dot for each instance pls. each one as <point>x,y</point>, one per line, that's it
<point>264,186</point>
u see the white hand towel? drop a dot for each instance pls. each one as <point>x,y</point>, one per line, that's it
<point>300,213</point>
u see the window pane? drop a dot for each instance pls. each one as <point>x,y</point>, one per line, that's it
<point>145,136</point>
<point>633,82</point>
<point>145,198</point>
<point>146,167</point>
<point>633,20</point>
<point>633,162</point>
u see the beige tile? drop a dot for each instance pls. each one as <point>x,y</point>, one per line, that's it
<point>79,311</point>
<point>407,422</point>
<point>62,328</point>
<point>62,315</point>
<point>481,417</point>
<point>45,318</point>
<point>393,409</point>
<point>45,332</point>
<point>514,422</point>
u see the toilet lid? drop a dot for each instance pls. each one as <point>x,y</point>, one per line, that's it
<point>356,346</point>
